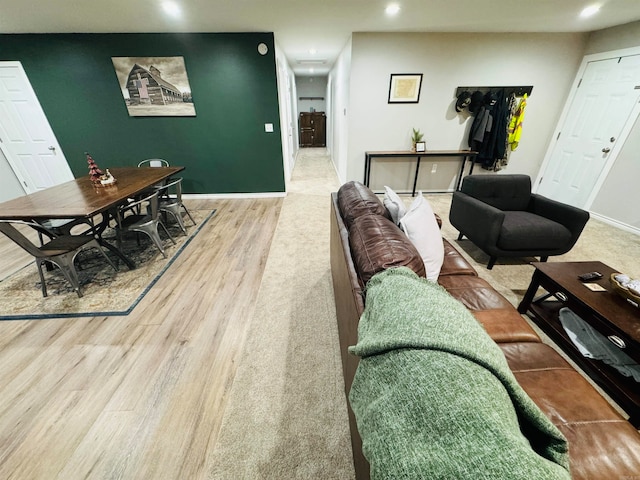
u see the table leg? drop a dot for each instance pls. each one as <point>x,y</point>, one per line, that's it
<point>117,251</point>
<point>415,179</point>
<point>531,291</point>
<point>97,233</point>
<point>367,169</point>
<point>461,174</point>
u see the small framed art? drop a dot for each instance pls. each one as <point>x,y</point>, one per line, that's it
<point>405,87</point>
<point>421,146</point>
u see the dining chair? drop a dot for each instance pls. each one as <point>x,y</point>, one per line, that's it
<point>141,216</point>
<point>153,162</point>
<point>171,202</point>
<point>61,250</point>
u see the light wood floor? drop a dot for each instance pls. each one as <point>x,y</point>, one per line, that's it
<point>141,396</point>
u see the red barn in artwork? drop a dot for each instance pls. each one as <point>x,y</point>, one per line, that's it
<point>148,87</point>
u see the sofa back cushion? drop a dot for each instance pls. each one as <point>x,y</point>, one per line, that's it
<point>355,200</point>
<point>506,192</point>
<point>377,244</point>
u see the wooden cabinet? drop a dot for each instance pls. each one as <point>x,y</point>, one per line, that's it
<point>313,129</point>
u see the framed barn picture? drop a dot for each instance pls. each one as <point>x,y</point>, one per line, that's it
<point>154,86</point>
<point>405,87</point>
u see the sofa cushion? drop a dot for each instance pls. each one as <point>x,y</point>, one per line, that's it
<point>421,227</point>
<point>377,244</point>
<point>528,231</point>
<point>355,200</point>
<point>454,263</point>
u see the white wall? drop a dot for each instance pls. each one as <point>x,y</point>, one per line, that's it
<point>311,87</point>
<point>448,60</point>
<point>9,184</point>
<point>339,85</point>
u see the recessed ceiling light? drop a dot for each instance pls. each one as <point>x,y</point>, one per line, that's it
<point>171,8</point>
<point>313,51</point>
<point>311,70</point>
<point>392,9</point>
<point>589,11</point>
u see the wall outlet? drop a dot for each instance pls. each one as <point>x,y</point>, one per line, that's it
<point>434,168</point>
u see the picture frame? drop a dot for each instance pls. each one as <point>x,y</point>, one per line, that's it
<point>421,146</point>
<point>154,86</point>
<point>405,87</point>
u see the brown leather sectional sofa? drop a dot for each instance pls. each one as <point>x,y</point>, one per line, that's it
<point>364,241</point>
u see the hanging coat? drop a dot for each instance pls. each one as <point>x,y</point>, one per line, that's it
<point>515,127</point>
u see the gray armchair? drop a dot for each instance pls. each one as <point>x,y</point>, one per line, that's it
<point>503,218</point>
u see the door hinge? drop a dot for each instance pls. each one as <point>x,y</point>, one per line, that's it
<point>558,136</point>
<point>579,83</point>
<point>25,184</point>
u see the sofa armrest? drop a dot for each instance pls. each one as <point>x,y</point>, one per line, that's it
<point>571,217</point>
<point>479,221</point>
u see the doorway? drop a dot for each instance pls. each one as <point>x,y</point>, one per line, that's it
<point>26,138</point>
<point>597,120</point>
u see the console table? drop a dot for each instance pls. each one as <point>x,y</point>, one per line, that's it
<point>464,154</point>
<point>605,311</point>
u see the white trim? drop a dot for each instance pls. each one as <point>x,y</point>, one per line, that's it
<point>615,223</point>
<point>625,52</point>
<point>209,196</point>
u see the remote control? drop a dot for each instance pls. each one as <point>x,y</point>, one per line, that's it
<point>587,277</point>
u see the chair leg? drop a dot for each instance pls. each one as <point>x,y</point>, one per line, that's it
<point>94,244</point>
<point>44,285</point>
<point>152,233</point>
<point>188,213</point>
<point>175,213</point>
<point>460,235</point>
<point>167,232</point>
<point>65,264</point>
<point>492,262</point>
<point>544,259</point>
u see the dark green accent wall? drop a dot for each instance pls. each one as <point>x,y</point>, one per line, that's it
<point>224,147</point>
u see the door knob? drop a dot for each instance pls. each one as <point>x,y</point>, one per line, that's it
<point>52,148</point>
<point>606,150</point>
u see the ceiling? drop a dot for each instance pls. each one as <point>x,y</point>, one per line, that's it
<point>303,25</point>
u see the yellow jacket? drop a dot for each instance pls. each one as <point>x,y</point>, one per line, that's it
<point>515,125</point>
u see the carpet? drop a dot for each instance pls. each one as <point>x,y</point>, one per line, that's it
<point>105,291</point>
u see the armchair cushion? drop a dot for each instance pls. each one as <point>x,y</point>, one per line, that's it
<point>527,231</point>
<point>505,192</point>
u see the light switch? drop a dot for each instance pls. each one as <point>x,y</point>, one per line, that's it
<point>268,127</point>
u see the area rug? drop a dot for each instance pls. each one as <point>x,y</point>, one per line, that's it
<point>105,291</point>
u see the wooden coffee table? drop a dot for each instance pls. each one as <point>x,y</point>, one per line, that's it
<point>607,312</point>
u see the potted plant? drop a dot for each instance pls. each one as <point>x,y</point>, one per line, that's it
<point>416,137</point>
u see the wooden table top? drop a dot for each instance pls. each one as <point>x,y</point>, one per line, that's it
<point>80,198</point>
<point>426,153</point>
<point>608,304</point>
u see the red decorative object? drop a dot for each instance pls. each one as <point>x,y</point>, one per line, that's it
<point>95,173</point>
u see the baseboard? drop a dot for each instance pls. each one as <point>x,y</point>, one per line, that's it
<point>213,196</point>
<point>615,223</point>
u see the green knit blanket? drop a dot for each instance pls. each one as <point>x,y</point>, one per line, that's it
<point>434,397</point>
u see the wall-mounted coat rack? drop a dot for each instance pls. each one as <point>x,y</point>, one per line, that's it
<point>311,98</point>
<point>508,90</point>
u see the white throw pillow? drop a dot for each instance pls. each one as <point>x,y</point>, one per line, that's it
<point>394,204</point>
<point>420,225</point>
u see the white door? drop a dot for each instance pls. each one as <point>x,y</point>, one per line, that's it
<point>26,138</point>
<point>601,108</point>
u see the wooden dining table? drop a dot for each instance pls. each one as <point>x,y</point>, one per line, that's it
<point>80,199</point>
